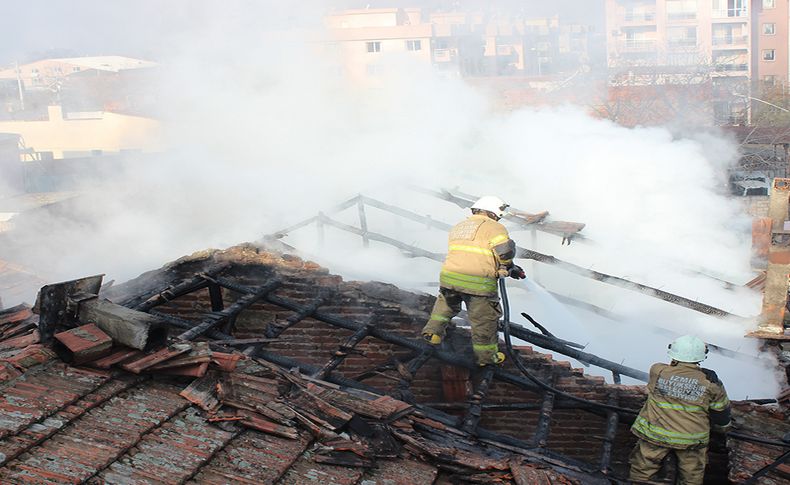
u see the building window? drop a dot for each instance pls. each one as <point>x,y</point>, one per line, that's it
<point>769,80</point>
<point>769,28</point>
<point>769,3</point>
<point>374,70</point>
<point>681,9</point>
<point>769,54</point>
<point>413,45</point>
<point>374,46</point>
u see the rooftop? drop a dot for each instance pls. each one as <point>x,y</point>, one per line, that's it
<point>281,372</point>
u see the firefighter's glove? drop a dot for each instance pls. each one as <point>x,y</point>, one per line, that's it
<point>517,273</point>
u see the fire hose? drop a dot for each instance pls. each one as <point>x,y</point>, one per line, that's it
<point>516,358</point>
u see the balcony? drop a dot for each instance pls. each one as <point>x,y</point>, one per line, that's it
<point>639,17</point>
<point>682,43</point>
<point>638,45</point>
<point>444,55</point>
<point>731,68</point>
<point>741,13</point>
<point>731,42</point>
<point>681,16</point>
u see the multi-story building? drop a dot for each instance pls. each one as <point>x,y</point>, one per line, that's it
<point>770,34</point>
<point>46,72</point>
<point>738,45</point>
<point>680,33</point>
<point>365,43</point>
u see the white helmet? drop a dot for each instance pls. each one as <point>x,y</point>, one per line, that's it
<point>491,203</point>
<point>688,348</point>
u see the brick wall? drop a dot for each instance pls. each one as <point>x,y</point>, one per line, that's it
<point>574,432</point>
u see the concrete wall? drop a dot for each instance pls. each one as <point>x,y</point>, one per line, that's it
<point>756,206</point>
<point>106,131</point>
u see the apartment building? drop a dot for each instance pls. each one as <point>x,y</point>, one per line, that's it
<point>364,44</point>
<point>680,33</point>
<point>770,34</point>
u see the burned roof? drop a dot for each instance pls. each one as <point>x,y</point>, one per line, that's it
<point>279,372</point>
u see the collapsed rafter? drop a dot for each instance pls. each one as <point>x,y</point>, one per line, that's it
<point>421,353</point>
<point>566,233</point>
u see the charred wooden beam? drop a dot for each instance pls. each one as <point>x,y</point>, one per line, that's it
<point>342,352</point>
<point>274,329</point>
<point>215,295</point>
<point>544,420</point>
<point>197,282</point>
<point>549,343</point>
<point>239,306</point>
<point>428,221</point>
<point>184,324</point>
<point>566,465</point>
<point>388,365</point>
<point>754,479</point>
<point>624,283</point>
<point>363,222</point>
<point>413,251</point>
<point>412,344</point>
<point>284,232</point>
<point>407,375</point>
<point>474,413</point>
<point>612,420</point>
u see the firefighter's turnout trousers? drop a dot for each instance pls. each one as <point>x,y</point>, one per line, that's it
<point>484,314</point>
<point>477,248</point>
<point>646,461</point>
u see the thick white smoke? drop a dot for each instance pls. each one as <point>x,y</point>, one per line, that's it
<point>262,133</point>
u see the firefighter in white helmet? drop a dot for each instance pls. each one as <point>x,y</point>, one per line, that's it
<point>683,401</point>
<point>480,251</point>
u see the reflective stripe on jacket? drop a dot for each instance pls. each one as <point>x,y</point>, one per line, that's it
<point>478,246</point>
<point>680,399</point>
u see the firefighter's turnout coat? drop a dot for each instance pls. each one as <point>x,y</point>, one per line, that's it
<point>683,399</point>
<point>478,247</point>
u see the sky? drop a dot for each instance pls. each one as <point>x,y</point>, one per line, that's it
<point>259,137</point>
<point>33,29</point>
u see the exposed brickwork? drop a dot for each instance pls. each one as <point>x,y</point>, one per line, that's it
<point>573,432</point>
<point>746,458</point>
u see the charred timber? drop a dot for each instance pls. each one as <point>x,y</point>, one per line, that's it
<point>624,283</point>
<point>404,384</point>
<point>342,352</point>
<point>448,357</point>
<point>475,411</point>
<point>195,283</point>
<point>556,345</point>
<point>239,306</point>
<point>544,420</point>
<point>374,236</point>
<point>608,441</point>
<point>563,464</point>
<point>274,329</point>
<point>189,324</point>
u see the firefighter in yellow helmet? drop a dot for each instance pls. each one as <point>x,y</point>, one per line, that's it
<point>480,252</point>
<point>683,401</point>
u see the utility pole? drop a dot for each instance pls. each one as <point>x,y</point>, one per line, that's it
<point>19,86</point>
